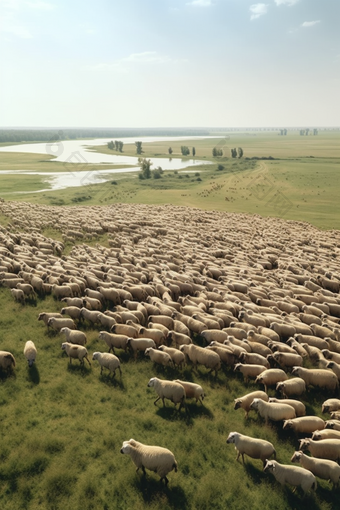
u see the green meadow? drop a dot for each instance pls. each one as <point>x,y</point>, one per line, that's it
<point>300,183</point>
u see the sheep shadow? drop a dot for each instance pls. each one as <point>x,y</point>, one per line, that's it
<point>155,490</point>
<point>173,414</point>
<point>113,382</point>
<point>82,369</point>
<point>33,374</point>
<point>4,375</point>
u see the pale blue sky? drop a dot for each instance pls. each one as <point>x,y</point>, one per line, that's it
<point>152,63</point>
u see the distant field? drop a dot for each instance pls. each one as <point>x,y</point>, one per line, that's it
<point>300,183</point>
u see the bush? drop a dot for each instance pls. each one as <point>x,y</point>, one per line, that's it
<point>220,168</point>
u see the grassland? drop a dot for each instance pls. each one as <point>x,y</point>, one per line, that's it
<point>301,183</point>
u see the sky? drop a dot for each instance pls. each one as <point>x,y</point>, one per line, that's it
<point>170,63</point>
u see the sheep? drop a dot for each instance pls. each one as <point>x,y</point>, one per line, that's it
<point>324,449</point>
<point>155,458</point>
<point>176,355</point>
<point>251,358</point>
<point>304,424</point>
<point>284,330</point>
<point>294,386</point>
<point>300,408</point>
<point>157,336</point>
<point>330,405</point>
<point>107,360</point>
<point>139,345</point>
<point>287,360</point>
<point>92,303</point>
<point>75,351</point>
<point>162,358</point>
<point>271,377</point>
<point>30,352</point>
<point>245,401</point>
<point>292,475</point>
<point>45,316</point>
<point>323,468</point>
<point>124,329</point>
<point>170,390</point>
<point>57,324</point>
<point>74,337</point>
<point>253,447</point>
<point>321,378</point>
<point>72,311</point>
<point>61,291</point>
<point>27,289</point>
<point>192,390</point>
<point>332,424</point>
<point>216,335</point>
<point>274,412</point>
<point>226,355</point>
<point>114,341</point>
<point>249,371</point>
<point>75,301</point>
<point>202,356</point>
<point>326,433</point>
<point>18,295</point>
<point>7,361</point>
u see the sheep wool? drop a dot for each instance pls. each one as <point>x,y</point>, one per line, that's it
<point>30,352</point>
<point>292,475</point>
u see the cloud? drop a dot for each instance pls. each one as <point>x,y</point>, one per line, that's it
<point>307,24</point>
<point>200,3</point>
<point>257,10</point>
<point>123,65</point>
<point>286,2</point>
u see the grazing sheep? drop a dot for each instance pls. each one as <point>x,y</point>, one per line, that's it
<point>107,360</point>
<point>114,341</point>
<point>18,295</point>
<point>199,355</point>
<point>324,449</point>
<point>245,401</point>
<point>7,361</point>
<point>57,324</point>
<point>176,355</point>
<point>45,316</point>
<point>249,371</point>
<point>30,352</point>
<point>192,390</point>
<point>160,357</point>
<point>74,336</point>
<point>75,351</point>
<point>300,408</point>
<point>291,387</point>
<point>155,458</point>
<point>251,446</point>
<point>318,377</point>
<point>170,390</point>
<point>304,424</point>
<point>292,475</point>
<point>274,412</point>
<point>323,468</point>
<point>271,377</point>
<point>140,345</point>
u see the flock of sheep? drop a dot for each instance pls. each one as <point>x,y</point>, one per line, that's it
<point>261,295</point>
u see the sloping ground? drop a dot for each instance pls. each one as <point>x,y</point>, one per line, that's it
<point>278,278</point>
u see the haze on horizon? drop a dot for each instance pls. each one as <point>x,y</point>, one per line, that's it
<point>170,63</point>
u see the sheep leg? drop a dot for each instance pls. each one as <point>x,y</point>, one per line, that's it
<point>157,400</point>
<point>120,371</point>
<point>87,360</point>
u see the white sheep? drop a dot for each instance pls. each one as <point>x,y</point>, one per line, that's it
<point>251,446</point>
<point>292,475</point>
<point>192,390</point>
<point>114,341</point>
<point>176,355</point>
<point>74,336</point>
<point>323,468</point>
<point>291,387</point>
<point>155,458</point>
<point>199,355</point>
<point>274,411</point>
<point>245,401</point>
<point>57,324</point>
<point>139,345</point>
<point>304,424</point>
<point>75,351</point>
<point>322,378</point>
<point>330,405</point>
<point>271,377</point>
<point>30,352</point>
<point>7,360</point>
<point>332,424</point>
<point>249,371</point>
<point>107,360</point>
<point>324,449</point>
<point>45,316</point>
<point>18,295</point>
<point>287,359</point>
<point>300,408</point>
<point>326,433</point>
<point>170,390</point>
<point>160,357</point>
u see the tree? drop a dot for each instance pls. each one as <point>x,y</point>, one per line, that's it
<point>185,150</point>
<point>110,145</point>
<point>285,132</point>
<point>233,153</point>
<point>315,132</point>
<point>217,152</point>
<point>240,152</point>
<point>120,146</point>
<point>193,152</point>
<point>138,147</point>
<point>145,165</point>
<point>170,150</point>
<point>116,145</point>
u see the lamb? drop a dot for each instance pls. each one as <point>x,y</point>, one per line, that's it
<point>57,324</point>
<point>160,357</point>
<point>245,401</point>
<point>202,356</point>
<point>155,458</point>
<point>74,337</point>
<point>294,386</point>
<point>330,405</point>
<point>324,449</point>
<point>75,351</point>
<point>274,412</point>
<point>176,355</point>
<point>170,390</point>
<point>322,378</point>
<point>305,424</point>
<point>7,361</point>
<point>300,408</point>
<point>251,446</point>
<point>30,352</point>
<point>192,390</point>
<point>114,341</point>
<point>18,295</point>
<point>249,371</point>
<point>292,475</point>
<point>323,468</point>
<point>271,377</point>
<point>107,360</point>
<point>139,345</point>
